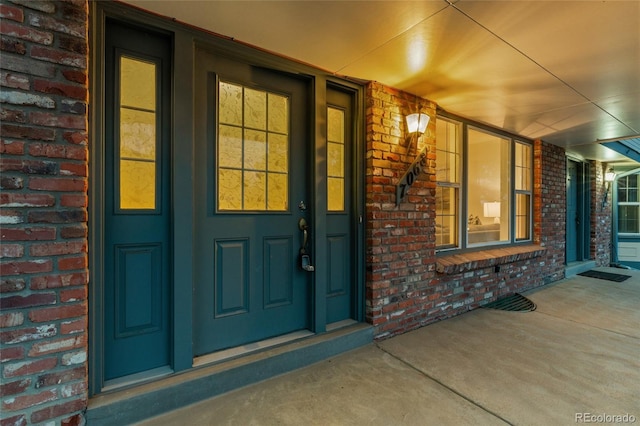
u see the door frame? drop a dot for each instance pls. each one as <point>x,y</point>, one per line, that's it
<point>583,203</point>
<point>185,41</point>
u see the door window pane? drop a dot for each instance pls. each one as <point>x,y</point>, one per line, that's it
<point>138,140</point>
<point>253,149</point>
<point>335,159</point>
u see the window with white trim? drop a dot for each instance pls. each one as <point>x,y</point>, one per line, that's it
<point>628,205</point>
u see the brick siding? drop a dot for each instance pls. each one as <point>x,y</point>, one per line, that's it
<point>43,214</point>
<point>407,285</point>
<point>550,206</point>
<point>601,226</point>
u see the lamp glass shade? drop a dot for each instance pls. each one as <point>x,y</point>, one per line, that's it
<point>609,176</point>
<point>417,122</point>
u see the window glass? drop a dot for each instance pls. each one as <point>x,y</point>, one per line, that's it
<point>484,187</point>
<point>523,184</point>
<point>137,165</point>
<point>335,159</point>
<point>448,178</point>
<point>446,216</point>
<point>253,149</point>
<point>628,205</point>
<point>488,194</point>
<point>628,219</point>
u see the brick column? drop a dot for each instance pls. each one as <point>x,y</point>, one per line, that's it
<point>43,214</point>
<point>550,206</point>
<point>400,240</point>
<point>600,244</point>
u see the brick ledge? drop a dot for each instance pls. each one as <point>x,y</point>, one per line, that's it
<point>462,262</point>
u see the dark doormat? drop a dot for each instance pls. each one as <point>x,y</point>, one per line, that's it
<point>605,276</point>
<point>516,303</point>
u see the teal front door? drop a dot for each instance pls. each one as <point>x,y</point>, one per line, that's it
<point>253,204</point>
<point>136,156</point>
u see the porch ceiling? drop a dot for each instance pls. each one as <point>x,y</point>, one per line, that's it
<point>567,72</point>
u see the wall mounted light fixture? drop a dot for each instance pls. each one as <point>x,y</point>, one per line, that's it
<point>417,122</point>
<point>609,177</point>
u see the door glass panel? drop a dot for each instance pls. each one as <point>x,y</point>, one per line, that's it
<point>138,136</point>
<point>335,159</point>
<point>253,149</point>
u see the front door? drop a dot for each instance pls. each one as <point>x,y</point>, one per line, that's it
<point>573,213</point>
<point>137,253</point>
<point>253,204</point>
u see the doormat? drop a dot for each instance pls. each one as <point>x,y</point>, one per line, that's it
<point>605,276</point>
<point>515,303</point>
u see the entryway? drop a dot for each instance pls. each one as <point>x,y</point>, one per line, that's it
<point>226,203</point>
<point>578,213</point>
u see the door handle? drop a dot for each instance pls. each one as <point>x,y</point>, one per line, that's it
<point>305,259</point>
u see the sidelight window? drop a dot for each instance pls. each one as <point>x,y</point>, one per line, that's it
<point>137,158</point>
<point>335,160</point>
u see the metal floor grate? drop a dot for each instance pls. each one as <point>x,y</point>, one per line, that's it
<point>515,303</point>
<point>605,276</point>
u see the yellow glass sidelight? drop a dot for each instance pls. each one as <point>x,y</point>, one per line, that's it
<point>252,149</point>
<point>335,159</point>
<point>138,135</point>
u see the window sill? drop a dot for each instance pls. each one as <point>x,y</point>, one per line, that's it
<point>462,262</point>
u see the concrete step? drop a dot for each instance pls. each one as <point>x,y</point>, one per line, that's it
<point>151,399</point>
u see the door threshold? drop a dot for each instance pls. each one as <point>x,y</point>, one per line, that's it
<point>135,379</point>
<point>227,354</point>
<point>340,324</point>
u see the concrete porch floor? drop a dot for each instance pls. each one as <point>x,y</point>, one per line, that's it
<point>578,354</point>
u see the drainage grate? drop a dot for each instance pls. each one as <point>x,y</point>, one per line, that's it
<point>605,276</point>
<point>515,303</point>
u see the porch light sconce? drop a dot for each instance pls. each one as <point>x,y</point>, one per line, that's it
<point>609,177</point>
<point>492,210</point>
<point>417,123</point>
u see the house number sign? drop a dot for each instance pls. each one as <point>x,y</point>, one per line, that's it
<point>411,175</point>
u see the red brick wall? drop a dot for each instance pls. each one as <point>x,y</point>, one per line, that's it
<point>400,250</point>
<point>43,214</point>
<point>550,206</point>
<point>600,243</point>
<point>404,290</point>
